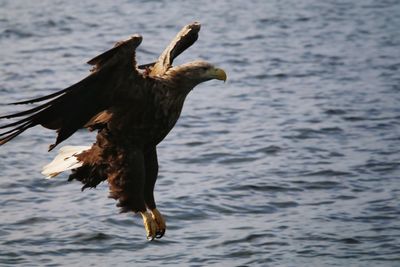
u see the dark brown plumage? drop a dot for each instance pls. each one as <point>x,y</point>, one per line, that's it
<point>132,110</point>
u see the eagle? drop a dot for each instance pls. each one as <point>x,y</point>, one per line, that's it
<point>132,108</point>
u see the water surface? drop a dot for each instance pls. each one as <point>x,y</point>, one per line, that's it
<point>293,162</point>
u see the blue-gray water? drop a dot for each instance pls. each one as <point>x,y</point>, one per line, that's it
<point>293,162</point>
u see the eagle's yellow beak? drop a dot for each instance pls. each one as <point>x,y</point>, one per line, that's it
<point>219,74</point>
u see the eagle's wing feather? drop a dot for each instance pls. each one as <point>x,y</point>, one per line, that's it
<point>128,46</point>
<point>71,108</point>
<point>42,98</point>
<point>182,41</point>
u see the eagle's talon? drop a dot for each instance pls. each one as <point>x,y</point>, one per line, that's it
<point>149,225</point>
<point>160,234</point>
<point>160,222</point>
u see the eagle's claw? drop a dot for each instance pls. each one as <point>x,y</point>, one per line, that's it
<point>149,225</point>
<point>161,226</point>
<point>160,233</point>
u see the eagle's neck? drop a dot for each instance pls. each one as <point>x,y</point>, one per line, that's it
<point>180,79</point>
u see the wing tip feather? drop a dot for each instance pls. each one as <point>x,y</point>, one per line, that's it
<point>134,40</point>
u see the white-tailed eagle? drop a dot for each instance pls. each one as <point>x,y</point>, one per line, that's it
<point>132,108</point>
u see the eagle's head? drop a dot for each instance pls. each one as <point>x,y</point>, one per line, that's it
<point>194,73</point>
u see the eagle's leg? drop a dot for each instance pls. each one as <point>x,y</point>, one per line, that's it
<point>128,187</point>
<point>151,168</point>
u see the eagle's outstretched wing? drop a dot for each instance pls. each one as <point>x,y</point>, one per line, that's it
<point>85,103</point>
<point>71,108</point>
<point>182,41</point>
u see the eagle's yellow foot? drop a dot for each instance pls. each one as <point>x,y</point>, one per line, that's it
<point>149,225</point>
<point>161,226</point>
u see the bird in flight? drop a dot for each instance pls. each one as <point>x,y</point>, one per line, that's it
<point>132,108</point>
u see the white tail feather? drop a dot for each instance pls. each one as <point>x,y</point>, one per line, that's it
<point>65,160</point>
